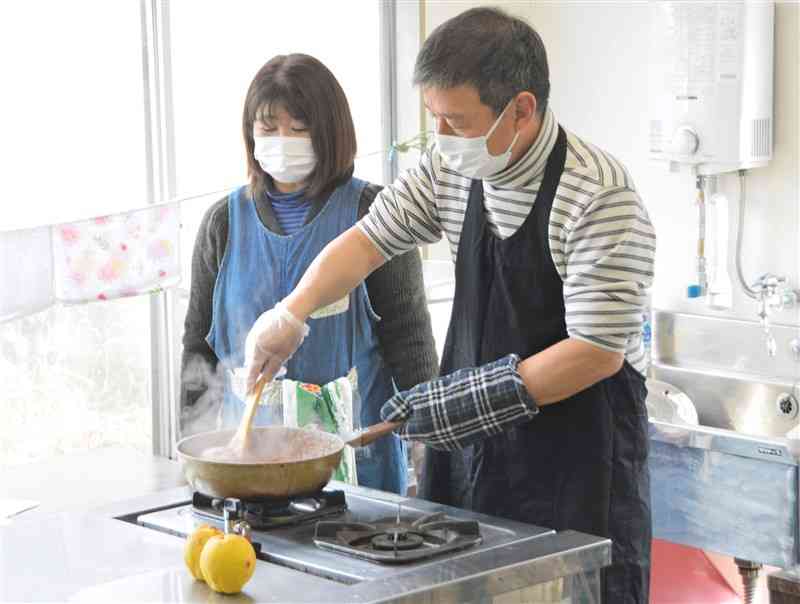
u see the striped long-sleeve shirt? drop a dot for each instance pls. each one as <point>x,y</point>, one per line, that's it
<point>602,242</point>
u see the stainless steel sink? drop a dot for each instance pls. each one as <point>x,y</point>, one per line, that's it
<point>723,367</point>
<point>729,485</point>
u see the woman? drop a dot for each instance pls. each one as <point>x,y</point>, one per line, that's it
<point>254,245</point>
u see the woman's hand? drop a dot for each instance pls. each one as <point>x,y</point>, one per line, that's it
<point>274,338</point>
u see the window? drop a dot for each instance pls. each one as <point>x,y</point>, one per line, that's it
<point>76,378</point>
<point>73,147</point>
<point>72,110</point>
<point>217,48</point>
<point>75,126</point>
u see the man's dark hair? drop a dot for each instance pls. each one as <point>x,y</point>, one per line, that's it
<point>309,92</point>
<point>500,55</point>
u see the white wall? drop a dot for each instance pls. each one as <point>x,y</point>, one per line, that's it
<point>439,11</point>
<point>598,68</point>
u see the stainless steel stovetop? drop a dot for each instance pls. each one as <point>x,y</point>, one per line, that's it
<point>317,546</point>
<point>496,559</point>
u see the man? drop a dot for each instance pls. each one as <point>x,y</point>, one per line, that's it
<point>539,414</point>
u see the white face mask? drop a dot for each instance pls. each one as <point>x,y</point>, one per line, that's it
<point>285,158</point>
<point>470,157</point>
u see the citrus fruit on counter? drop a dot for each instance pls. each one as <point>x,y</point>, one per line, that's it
<point>194,547</point>
<point>227,563</point>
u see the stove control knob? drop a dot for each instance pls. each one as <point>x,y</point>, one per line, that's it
<point>685,141</point>
<point>231,512</point>
<point>233,506</point>
<point>242,528</point>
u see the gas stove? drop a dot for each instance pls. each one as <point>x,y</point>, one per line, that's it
<point>347,535</point>
<point>394,540</point>
<point>351,544</point>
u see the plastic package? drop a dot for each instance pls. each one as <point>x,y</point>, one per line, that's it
<point>329,407</point>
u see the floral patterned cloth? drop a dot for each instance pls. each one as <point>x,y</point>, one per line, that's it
<point>117,256</point>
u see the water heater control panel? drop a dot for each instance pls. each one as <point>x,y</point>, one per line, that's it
<point>711,84</point>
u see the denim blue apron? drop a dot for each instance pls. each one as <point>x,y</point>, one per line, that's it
<point>259,269</point>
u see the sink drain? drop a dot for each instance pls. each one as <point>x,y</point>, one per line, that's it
<point>787,405</point>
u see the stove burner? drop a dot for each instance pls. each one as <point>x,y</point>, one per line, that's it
<point>264,513</point>
<point>397,541</point>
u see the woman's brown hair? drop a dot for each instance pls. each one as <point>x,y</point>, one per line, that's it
<point>310,93</point>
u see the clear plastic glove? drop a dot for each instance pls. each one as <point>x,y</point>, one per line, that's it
<point>273,339</point>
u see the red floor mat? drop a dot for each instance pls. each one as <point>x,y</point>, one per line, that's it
<point>683,575</point>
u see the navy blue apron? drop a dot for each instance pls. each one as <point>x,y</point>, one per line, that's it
<point>581,463</point>
<point>259,269</point>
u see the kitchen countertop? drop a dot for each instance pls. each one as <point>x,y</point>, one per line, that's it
<point>77,548</point>
<point>97,477</point>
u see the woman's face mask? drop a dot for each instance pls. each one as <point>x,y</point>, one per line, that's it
<point>283,146</point>
<point>288,159</point>
<point>470,157</point>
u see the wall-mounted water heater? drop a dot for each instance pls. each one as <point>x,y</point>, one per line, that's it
<point>711,72</point>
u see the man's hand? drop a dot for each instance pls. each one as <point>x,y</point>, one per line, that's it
<point>469,405</point>
<point>274,338</point>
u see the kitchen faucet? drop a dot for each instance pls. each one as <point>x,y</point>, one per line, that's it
<point>772,293</point>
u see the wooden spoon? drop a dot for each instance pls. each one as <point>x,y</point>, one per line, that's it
<point>242,436</point>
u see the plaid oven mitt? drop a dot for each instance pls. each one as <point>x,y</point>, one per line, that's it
<point>464,407</point>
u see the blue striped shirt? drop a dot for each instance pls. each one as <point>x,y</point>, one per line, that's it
<point>290,210</point>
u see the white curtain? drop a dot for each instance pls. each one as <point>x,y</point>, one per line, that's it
<point>26,272</point>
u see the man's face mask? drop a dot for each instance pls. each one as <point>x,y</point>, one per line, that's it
<point>286,158</point>
<point>470,157</point>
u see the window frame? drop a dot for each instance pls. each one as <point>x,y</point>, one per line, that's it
<point>161,176</point>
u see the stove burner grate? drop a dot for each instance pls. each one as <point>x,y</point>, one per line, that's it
<point>401,539</point>
<point>268,513</point>
<point>397,541</point>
